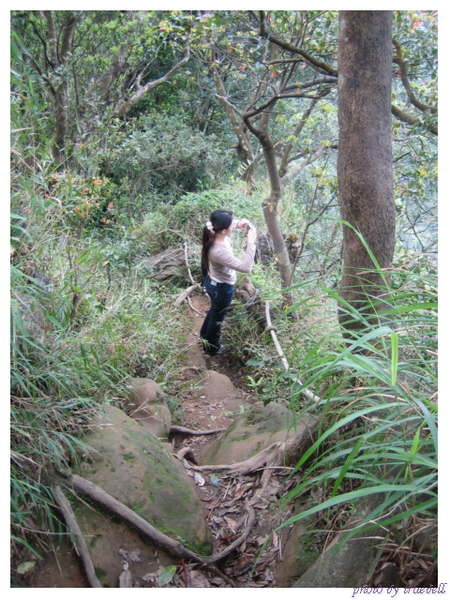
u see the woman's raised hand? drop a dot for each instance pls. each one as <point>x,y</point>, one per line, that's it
<point>242,223</point>
<point>252,235</point>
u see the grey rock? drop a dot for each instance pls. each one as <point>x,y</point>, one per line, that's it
<point>148,407</point>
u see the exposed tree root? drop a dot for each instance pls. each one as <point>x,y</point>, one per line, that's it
<point>84,486</point>
<point>80,545</point>
<point>187,453</point>
<point>247,467</point>
<point>279,454</point>
<point>185,431</point>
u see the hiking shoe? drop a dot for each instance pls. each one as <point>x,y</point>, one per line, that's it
<point>212,352</point>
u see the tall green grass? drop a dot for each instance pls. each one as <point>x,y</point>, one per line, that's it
<point>379,404</point>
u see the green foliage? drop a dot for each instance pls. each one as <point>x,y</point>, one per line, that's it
<point>378,398</point>
<point>164,157</point>
<point>137,185</point>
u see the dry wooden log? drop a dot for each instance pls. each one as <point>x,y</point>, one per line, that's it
<point>166,264</point>
<point>84,486</point>
<point>80,544</point>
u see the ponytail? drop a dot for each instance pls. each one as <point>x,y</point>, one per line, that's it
<point>219,220</point>
<point>207,241</point>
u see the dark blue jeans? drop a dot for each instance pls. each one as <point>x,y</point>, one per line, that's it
<point>221,295</point>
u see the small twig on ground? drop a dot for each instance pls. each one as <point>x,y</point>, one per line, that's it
<point>193,308</point>
<point>219,573</point>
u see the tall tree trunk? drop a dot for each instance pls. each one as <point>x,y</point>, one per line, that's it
<point>365,152</point>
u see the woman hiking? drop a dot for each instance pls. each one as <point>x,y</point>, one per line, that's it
<point>221,266</point>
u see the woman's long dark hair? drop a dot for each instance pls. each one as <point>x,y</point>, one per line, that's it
<point>220,220</point>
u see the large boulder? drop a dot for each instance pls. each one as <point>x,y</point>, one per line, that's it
<point>252,432</point>
<point>132,465</point>
<point>148,407</point>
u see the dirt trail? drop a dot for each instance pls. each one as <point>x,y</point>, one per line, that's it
<point>213,397</point>
<point>209,401</point>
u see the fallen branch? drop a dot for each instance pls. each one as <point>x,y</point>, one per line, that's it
<point>79,543</point>
<point>187,292</point>
<point>307,393</point>
<point>187,264</point>
<point>89,489</point>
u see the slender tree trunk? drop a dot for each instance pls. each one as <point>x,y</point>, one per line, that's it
<point>59,47</point>
<point>60,114</point>
<point>270,205</point>
<point>244,146</point>
<point>365,152</point>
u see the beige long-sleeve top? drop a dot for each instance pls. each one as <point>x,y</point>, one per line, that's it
<point>223,264</point>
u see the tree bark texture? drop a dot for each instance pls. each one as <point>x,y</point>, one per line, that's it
<point>365,173</point>
<point>57,60</point>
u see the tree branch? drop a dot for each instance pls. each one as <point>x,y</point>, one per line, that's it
<point>288,149</point>
<point>152,84</point>
<point>51,38</point>
<point>306,392</point>
<point>299,167</point>
<point>68,32</point>
<point>398,59</point>
<point>410,120</point>
<point>317,64</point>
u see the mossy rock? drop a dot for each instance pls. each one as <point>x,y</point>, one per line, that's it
<point>133,466</point>
<point>251,432</point>
<point>300,551</point>
<point>148,407</point>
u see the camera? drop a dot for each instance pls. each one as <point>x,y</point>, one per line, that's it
<point>249,226</point>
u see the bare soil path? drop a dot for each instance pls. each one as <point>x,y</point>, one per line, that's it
<point>214,393</point>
